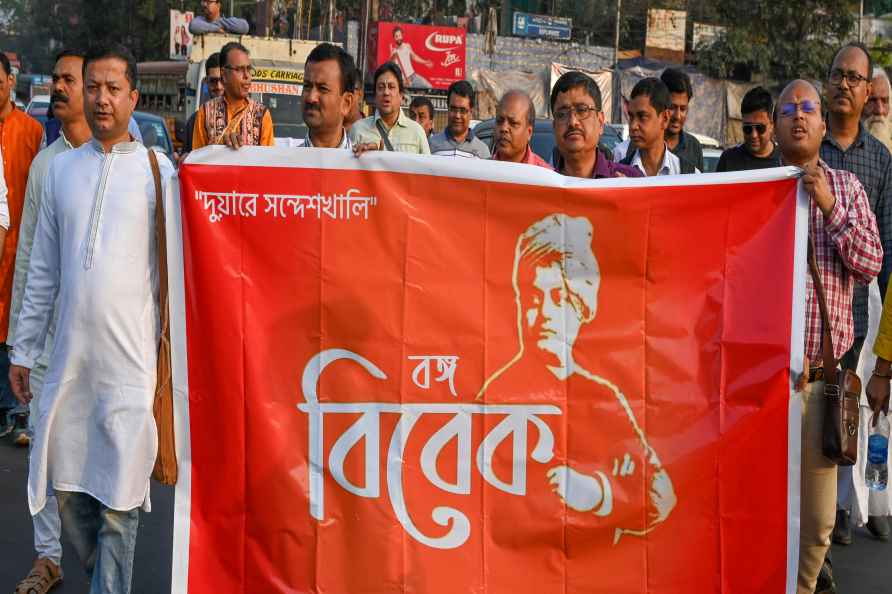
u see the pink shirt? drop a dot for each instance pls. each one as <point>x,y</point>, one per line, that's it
<point>530,158</point>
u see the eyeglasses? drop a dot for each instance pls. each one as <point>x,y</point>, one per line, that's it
<point>852,78</point>
<point>788,110</point>
<point>459,110</point>
<point>243,70</point>
<point>757,128</point>
<point>582,111</point>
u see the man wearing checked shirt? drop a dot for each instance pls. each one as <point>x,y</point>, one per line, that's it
<point>849,146</point>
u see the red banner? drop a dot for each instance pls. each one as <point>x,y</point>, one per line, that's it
<point>429,57</point>
<point>418,375</point>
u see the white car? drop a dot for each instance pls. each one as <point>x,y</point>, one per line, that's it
<point>38,106</point>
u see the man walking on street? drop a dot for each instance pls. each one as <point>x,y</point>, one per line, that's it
<point>234,119</point>
<point>68,106</point>
<point>758,150</point>
<point>848,146</point>
<point>847,249</point>
<point>683,145</point>
<point>458,140</point>
<point>389,128</point>
<point>578,123</point>
<point>328,96</point>
<point>649,113</point>
<point>515,121</point>
<point>20,136</point>
<point>213,21</point>
<point>95,259</point>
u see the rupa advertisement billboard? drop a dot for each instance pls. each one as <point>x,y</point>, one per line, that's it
<point>429,57</point>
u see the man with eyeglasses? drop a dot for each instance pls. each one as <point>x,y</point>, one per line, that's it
<point>578,123</point>
<point>214,80</point>
<point>212,21</point>
<point>458,140</point>
<point>234,119</point>
<point>847,250</point>
<point>849,146</point>
<point>758,150</point>
<point>876,112</point>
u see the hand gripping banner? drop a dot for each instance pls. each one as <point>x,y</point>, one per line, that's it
<point>401,374</point>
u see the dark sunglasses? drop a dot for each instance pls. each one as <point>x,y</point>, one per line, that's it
<point>788,110</point>
<point>757,128</point>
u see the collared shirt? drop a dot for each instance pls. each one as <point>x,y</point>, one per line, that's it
<point>20,136</point>
<point>671,164</point>
<point>871,163</point>
<point>406,136</point>
<point>848,250</point>
<point>604,168</point>
<point>199,134</point>
<point>445,145</point>
<point>529,158</point>
<point>689,149</point>
<point>33,198</point>
<point>344,144</point>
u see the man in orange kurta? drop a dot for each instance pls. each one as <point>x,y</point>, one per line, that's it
<point>234,119</point>
<point>20,136</point>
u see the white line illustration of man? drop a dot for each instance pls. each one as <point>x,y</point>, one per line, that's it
<point>556,280</point>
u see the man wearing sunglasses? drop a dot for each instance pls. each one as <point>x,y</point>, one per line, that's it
<point>234,119</point>
<point>847,249</point>
<point>213,21</point>
<point>214,81</point>
<point>758,150</point>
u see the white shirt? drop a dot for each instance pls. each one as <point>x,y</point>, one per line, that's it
<point>33,197</point>
<point>671,165</point>
<point>345,141</point>
<point>404,57</point>
<point>95,248</point>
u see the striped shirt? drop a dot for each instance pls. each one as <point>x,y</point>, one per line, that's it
<point>848,250</point>
<point>871,163</point>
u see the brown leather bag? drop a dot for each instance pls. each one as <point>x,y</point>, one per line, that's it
<point>841,396</point>
<point>165,470</point>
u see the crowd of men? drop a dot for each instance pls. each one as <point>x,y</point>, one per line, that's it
<point>79,271</point>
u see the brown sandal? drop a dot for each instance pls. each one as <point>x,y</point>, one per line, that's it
<point>43,577</point>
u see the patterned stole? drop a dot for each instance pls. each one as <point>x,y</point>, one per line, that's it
<point>247,122</point>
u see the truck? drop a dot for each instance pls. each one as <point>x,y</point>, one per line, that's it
<point>174,90</point>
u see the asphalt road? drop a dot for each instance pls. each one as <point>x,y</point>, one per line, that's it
<point>865,567</point>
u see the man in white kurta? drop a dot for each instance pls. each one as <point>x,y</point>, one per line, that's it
<point>68,107</point>
<point>95,249</point>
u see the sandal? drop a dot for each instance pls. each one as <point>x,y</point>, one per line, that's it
<point>43,577</point>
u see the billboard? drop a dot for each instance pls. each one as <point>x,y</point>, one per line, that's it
<point>430,57</point>
<point>180,38</point>
<point>665,35</point>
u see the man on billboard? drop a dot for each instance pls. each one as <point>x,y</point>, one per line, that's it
<point>402,53</point>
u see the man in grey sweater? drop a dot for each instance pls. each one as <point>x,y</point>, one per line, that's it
<point>212,21</point>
